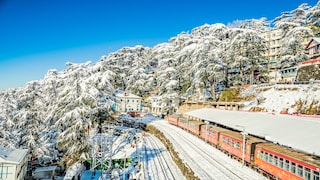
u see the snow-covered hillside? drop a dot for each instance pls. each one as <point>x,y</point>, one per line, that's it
<point>293,99</point>
<point>52,116</point>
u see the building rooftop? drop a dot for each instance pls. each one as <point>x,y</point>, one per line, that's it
<point>13,156</point>
<point>120,95</point>
<point>298,132</point>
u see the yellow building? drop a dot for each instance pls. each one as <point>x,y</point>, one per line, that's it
<point>273,39</point>
<point>13,163</point>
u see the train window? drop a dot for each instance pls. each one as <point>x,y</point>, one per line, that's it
<point>271,159</point>
<point>307,174</point>
<point>228,141</point>
<point>300,170</point>
<point>316,175</point>
<point>286,165</point>
<point>232,143</point>
<point>276,160</point>
<point>212,134</point>
<point>223,139</point>
<point>293,167</point>
<point>281,162</point>
<point>261,154</point>
<point>266,157</point>
<point>238,145</point>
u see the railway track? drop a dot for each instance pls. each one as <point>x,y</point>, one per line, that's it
<point>204,164</point>
<point>208,159</point>
<point>159,164</point>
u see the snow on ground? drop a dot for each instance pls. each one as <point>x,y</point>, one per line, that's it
<point>151,159</point>
<point>279,97</point>
<point>206,161</point>
<point>158,163</point>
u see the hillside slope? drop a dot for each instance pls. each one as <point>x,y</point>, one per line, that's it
<point>293,99</point>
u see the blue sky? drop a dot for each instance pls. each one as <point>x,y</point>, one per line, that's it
<point>38,35</point>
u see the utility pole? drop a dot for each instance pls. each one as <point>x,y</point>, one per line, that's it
<point>207,133</point>
<point>244,133</point>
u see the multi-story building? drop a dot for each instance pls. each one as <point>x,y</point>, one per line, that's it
<point>273,39</point>
<point>128,102</point>
<point>155,102</point>
<point>13,163</point>
<point>274,44</point>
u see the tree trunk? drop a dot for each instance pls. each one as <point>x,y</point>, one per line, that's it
<point>213,92</point>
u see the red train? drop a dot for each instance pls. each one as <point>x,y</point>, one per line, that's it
<point>274,161</point>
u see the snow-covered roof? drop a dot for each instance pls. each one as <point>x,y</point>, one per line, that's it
<point>128,95</point>
<point>310,44</point>
<point>45,169</point>
<point>298,132</point>
<point>12,156</point>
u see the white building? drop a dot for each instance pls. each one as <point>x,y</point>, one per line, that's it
<point>13,163</point>
<point>155,102</point>
<point>128,102</point>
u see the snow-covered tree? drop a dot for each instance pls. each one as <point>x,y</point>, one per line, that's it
<point>313,17</point>
<point>294,51</point>
<point>55,114</point>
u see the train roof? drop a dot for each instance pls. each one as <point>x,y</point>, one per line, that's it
<point>216,128</point>
<point>298,132</point>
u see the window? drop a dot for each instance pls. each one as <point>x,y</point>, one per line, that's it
<point>307,174</point>
<point>232,143</point>
<point>293,167</point>
<point>281,162</point>
<point>223,140</point>
<point>4,171</point>
<point>316,175</point>
<point>300,170</point>
<point>238,145</point>
<point>276,160</point>
<point>286,165</point>
<point>212,134</point>
<point>266,157</point>
<point>271,159</point>
<point>261,155</point>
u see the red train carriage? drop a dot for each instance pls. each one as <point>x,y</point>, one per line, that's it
<point>231,142</point>
<point>212,135</point>
<point>194,127</point>
<point>183,123</point>
<point>284,163</point>
<point>173,119</point>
